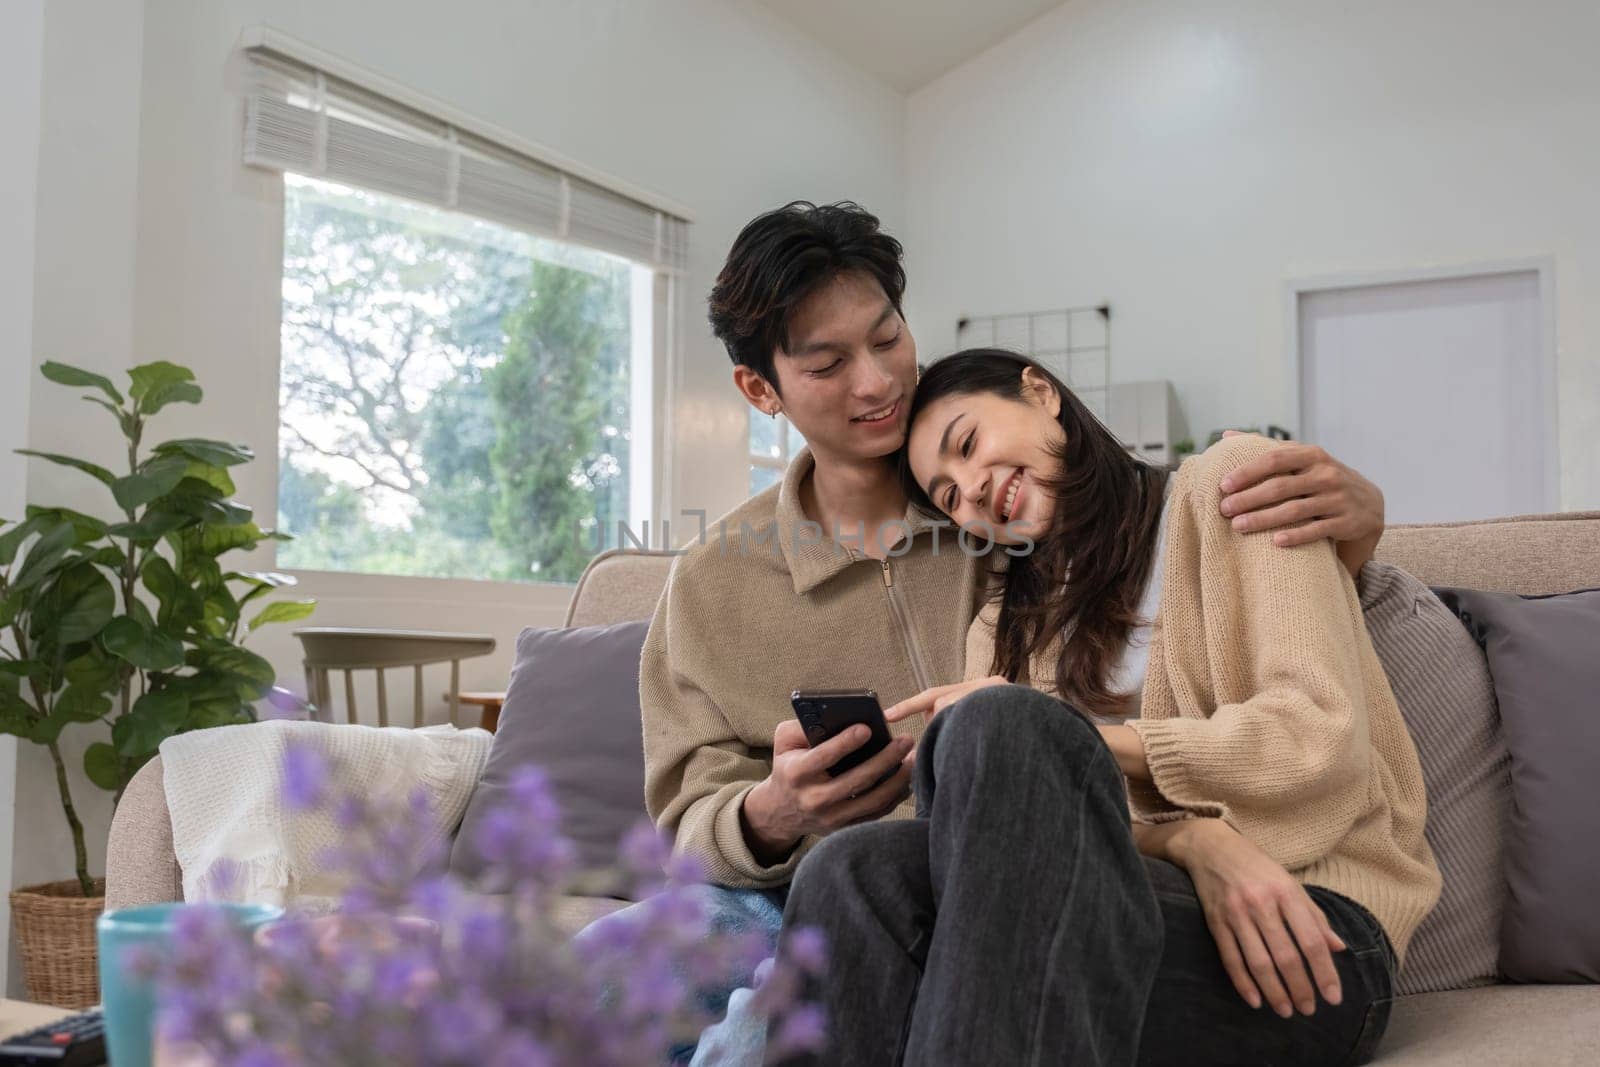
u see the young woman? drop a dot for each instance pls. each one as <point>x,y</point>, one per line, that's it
<point>1255,908</point>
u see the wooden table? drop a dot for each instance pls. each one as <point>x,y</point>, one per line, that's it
<point>489,702</point>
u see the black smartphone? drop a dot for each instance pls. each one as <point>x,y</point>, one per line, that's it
<point>826,714</point>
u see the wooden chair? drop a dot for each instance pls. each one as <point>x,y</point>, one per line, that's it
<point>329,648</point>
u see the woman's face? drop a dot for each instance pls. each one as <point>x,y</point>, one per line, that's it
<point>980,457</point>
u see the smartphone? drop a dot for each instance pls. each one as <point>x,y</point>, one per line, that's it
<point>825,714</point>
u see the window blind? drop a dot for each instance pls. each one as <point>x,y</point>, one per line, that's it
<point>303,119</point>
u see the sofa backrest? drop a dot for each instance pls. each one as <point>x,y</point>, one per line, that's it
<point>1523,554</point>
<point>619,585</point>
<point>1527,554</point>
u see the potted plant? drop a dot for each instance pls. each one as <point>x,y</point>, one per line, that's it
<point>132,624</point>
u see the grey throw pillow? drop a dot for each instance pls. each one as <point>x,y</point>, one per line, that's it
<point>1544,656</point>
<point>572,709</point>
<point>1441,682</point>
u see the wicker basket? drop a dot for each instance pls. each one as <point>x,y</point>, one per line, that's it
<point>56,936</point>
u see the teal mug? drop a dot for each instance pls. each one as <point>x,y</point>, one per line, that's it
<point>130,1001</point>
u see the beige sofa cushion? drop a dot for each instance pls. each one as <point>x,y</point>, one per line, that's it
<point>1508,1026</point>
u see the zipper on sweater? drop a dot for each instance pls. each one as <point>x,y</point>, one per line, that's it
<point>908,632</point>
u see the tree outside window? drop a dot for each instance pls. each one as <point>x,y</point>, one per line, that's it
<point>454,394</point>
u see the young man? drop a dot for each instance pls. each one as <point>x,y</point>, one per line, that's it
<point>829,580</point>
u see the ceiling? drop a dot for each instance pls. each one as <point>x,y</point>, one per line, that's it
<point>909,43</point>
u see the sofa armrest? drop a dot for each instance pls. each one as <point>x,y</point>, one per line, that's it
<point>141,866</point>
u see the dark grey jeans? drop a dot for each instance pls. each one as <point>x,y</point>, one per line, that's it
<point>1015,922</point>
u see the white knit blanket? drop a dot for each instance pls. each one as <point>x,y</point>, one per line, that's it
<point>234,838</point>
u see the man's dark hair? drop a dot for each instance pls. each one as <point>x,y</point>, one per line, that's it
<point>780,258</point>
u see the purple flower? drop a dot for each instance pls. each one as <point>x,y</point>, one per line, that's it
<point>420,967</point>
<point>284,704</point>
<point>260,1055</point>
<point>805,1029</point>
<point>520,1050</point>
<point>808,949</point>
<point>305,776</point>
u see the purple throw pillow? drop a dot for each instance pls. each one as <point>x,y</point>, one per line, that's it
<point>1544,658</point>
<point>572,709</point>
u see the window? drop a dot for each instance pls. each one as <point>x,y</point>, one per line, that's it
<point>773,443</point>
<point>454,395</point>
<point>469,336</point>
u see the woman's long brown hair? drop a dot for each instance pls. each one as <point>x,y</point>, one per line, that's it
<point>1084,580</point>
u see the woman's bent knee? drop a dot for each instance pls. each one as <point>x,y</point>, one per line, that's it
<point>1008,717</point>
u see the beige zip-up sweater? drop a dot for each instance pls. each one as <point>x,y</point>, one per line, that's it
<point>765,606</point>
<point>1265,705</point>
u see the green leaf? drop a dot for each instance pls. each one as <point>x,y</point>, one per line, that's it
<point>45,730</point>
<point>220,713</point>
<point>214,476</point>
<point>19,723</point>
<point>81,704</point>
<point>155,385</point>
<point>141,614</point>
<point>152,526</point>
<point>250,674</point>
<point>94,670</point>
<point>225,513</point>
<point>214,453</point>
<point>22,668</point>
<point>159,577</point>
<point>141,645</point>
<point>110,557</point>
<point>203,573</point>
<point>94,470</point>
<point>154,478</point>
<point>16,715</point>
<point>261,583</point>
<point>12,539</point>
<point>102,766</point>
<point>87,527</point>
<point>47,555</point>
<point>155,717</point>
<point>162,395</point>
<point>65,374</point>
<point>83,601</point>
<point>215,540</point>
<point>283,611</point>
<point>11,606</point>
<point>181,605</point>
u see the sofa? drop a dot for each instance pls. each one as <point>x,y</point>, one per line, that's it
<point>1500,1024</point>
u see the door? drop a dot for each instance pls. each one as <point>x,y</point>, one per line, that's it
<point>1435,389</point>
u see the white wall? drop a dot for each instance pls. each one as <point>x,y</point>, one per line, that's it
<point>81,301</point>
<point>155,242</point>
<point>1183,161</point>
<point>21,58</point>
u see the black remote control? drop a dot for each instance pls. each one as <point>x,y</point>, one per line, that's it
<point>76,1041</point>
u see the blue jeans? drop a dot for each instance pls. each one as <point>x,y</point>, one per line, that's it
<point>731,911</point>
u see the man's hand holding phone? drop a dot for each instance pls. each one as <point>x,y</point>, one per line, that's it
<point>800,798</point>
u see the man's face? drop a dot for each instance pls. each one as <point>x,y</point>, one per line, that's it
<point>851,367</point>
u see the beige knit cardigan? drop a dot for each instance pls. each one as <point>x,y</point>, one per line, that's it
<point>1265,705</point>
